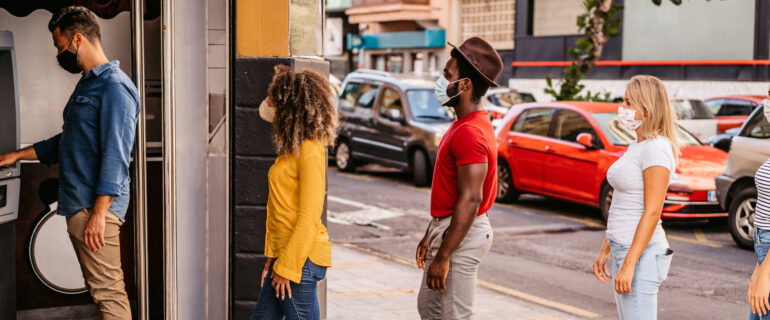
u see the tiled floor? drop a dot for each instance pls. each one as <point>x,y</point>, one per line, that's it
<point>365,286</point>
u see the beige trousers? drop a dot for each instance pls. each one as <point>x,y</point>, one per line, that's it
<point>101,269</point>
<point>456,302</point>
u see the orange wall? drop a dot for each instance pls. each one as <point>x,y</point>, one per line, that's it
<point>262,28</point>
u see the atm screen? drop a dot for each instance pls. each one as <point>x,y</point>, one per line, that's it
<point>3,196</point>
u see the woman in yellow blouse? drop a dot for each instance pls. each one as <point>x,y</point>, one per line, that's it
<point>299,105</point>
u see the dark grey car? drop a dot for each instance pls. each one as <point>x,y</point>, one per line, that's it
<point>392,120</point>
<point>736,189</point>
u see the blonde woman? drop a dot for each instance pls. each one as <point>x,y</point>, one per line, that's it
<point>635,238</point>
<point>299,104</point>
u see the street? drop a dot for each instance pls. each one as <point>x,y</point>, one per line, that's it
<point>543,249</point>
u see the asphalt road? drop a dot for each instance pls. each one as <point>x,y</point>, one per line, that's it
<point>544,248</point>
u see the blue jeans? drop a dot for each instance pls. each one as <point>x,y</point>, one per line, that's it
<point>303,304</point>
<point>651,270</point>
<point>761,246</point>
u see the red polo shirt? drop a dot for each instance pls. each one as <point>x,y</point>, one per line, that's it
<point>468,140</point>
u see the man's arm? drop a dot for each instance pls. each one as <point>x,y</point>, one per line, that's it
<point>117,126</point>
<point>470,183</point>
<point>10,158</point>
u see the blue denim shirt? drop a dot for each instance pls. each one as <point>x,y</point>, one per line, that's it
<point>94,148</point>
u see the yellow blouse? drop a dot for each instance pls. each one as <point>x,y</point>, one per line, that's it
<point>294,206</point>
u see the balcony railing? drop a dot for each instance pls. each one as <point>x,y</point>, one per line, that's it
<point>366,3</point>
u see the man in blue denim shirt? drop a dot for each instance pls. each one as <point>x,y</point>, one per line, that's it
<point>93,152</point>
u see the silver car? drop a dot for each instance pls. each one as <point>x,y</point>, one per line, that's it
<point>736,189</point>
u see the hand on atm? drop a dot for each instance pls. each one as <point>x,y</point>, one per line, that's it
<point>7,159</point>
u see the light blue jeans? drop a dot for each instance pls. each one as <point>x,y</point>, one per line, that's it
<point>651,270</point>
<point>761,246</point>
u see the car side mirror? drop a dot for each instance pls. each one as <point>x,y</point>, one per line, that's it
<point>395,115</point>
<point>586,140</point>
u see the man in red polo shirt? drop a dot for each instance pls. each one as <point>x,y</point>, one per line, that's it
<point>464,186</point>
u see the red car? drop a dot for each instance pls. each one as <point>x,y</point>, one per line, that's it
<point>564,149</point>
<point>732,111</point>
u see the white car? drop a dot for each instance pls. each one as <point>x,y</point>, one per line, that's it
<point>498,101</point>
<point>693,115</point>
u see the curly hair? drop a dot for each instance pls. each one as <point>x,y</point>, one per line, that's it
<point>304,109</point>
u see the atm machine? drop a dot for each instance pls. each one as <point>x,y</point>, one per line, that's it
<point>9,175</point>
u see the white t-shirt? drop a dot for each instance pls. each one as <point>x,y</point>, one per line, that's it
<point>625,175</point>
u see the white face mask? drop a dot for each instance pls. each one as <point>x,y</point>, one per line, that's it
<point>266,111</point>
<point>626,117</point>
<point>440,90</point>
<point>766,106</point>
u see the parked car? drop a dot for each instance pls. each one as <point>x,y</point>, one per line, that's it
<point>497,101</point>
<point>564,149</point>
<point>392,120</point>
<point>732,111</point>
<point>736,189</point>
<point>694,116</point>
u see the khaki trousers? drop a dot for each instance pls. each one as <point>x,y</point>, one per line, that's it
<point>101,269</point>
<point>456,302</point>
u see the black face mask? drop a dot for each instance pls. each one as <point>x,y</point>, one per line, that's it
<point>68,60</point>
<point>451,91</point>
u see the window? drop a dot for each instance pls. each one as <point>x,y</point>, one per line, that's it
<point>714,105</point>
<point>365,101</point>
<point>425,107</point>
<point>735,108</point>
<point>492,19</point>
<point>757,127</point>
<point>391,100</point>
<point>691,110</point>
<point>534,121</point>
<point>569,124</point>
<point>348,97</point>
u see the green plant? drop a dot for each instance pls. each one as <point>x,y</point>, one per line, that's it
<point>598,26</point>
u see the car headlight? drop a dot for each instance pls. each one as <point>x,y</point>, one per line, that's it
<point>676,181</point>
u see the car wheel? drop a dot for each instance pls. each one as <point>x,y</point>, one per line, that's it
<point>506,190</point>
<point>741,217</point>
<point>420,169</point>
<point>343,157</point>
<point>605,200</point>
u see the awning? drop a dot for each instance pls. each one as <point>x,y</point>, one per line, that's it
<point>106,9</point>
<point>434,38</point>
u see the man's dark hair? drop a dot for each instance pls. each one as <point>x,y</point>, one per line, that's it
<point>76,19</point>
<point>466,70</point>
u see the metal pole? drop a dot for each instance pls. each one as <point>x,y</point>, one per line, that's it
<point>140,161</point>
<point>169,208</point>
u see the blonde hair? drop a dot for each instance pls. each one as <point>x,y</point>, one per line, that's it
<point>647,95</point>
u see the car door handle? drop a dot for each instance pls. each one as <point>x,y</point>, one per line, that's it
<point>549,149</point>
<point>512,143</point>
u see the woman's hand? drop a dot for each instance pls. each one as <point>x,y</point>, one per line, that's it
<point>623,279</point>
<point>282,286</point>
<point>600,266</point>
<point>759,289</point>
<point>265,270</point>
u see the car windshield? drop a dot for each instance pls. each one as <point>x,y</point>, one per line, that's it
<point>509,99</point>
<point>691,110</point>
<point>620,136</point>
<point>424,106</point>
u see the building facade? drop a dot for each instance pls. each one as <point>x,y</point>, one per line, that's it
<point>700,48</point>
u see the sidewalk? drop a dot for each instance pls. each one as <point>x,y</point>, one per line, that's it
<point>362,285</point>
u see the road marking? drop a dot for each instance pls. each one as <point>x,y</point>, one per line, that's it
<point>683,239</point>
<point>372,294</point>
<point>541,301</point>
<point>699,235</point>
<point>515,293</point>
